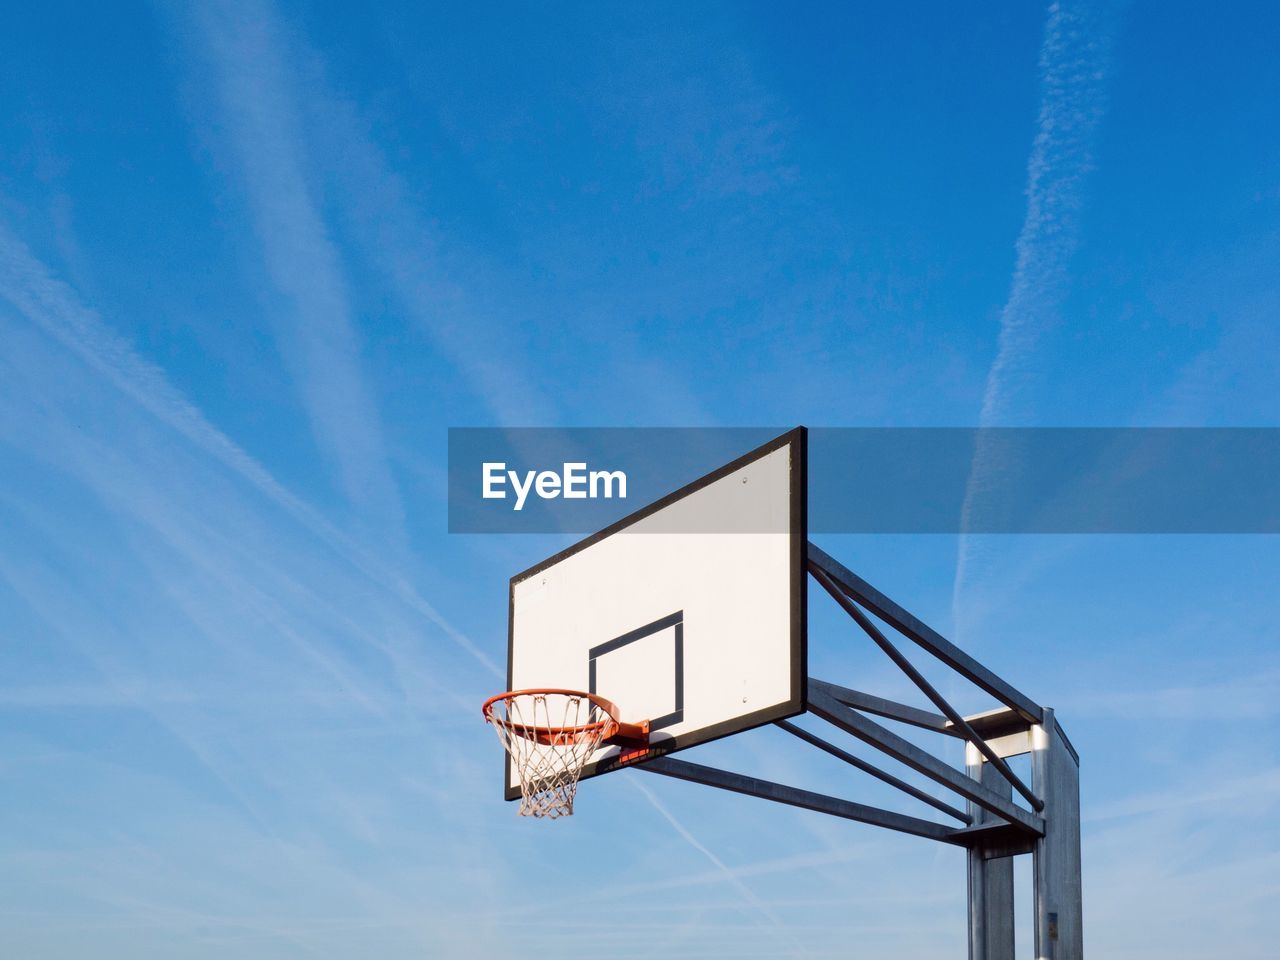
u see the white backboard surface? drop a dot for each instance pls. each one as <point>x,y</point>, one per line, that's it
<point>700,633</point>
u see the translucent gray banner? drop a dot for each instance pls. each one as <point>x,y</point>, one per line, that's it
<point>885,480</point>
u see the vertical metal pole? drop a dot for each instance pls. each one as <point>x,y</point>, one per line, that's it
<point>1059,916</point>
<point>990,881</point>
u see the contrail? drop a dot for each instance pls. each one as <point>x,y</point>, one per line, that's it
<point>729,875</point>
<point>1074,63</point>
<point>53,307</point>
<point>313,319</point>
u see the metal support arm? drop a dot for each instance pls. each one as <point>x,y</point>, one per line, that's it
<point>767,790</point>
<point>892,710</point>
<point>925,636</point>
<point>978,836</point>
<point>916,677</point>
<point>874,771</point>
<point>824,705</point>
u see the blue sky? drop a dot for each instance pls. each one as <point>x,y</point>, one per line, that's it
<point>255,259</point>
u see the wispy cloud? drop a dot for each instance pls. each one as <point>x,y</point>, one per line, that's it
<point>1195,860</point>
<point>1253,790</point>
<point>758,908</point>
<point>251,667</point>
<point>401,245</point>
<point>52,306</point>
<point>1074,64</point>
<point>311,311</point>
<point>1252,697</point>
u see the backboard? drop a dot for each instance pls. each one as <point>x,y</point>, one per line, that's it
<point>690,613</point>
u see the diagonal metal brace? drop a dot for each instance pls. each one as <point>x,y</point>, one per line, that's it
<point>923,635</point>
<point>824,705</point>
<point>916,677</point>
<point>892,710</point>
<point>793,796</point>
<point>874,771</point>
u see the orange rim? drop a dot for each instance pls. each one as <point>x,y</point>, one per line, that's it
<point>609,729</point>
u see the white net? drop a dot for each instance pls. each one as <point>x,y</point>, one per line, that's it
<point>550,737</point>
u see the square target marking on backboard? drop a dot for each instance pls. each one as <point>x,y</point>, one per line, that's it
<point>689,613</point>
<point>662,641</point>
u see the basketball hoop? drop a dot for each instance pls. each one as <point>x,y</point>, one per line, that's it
<point>550,736</point>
